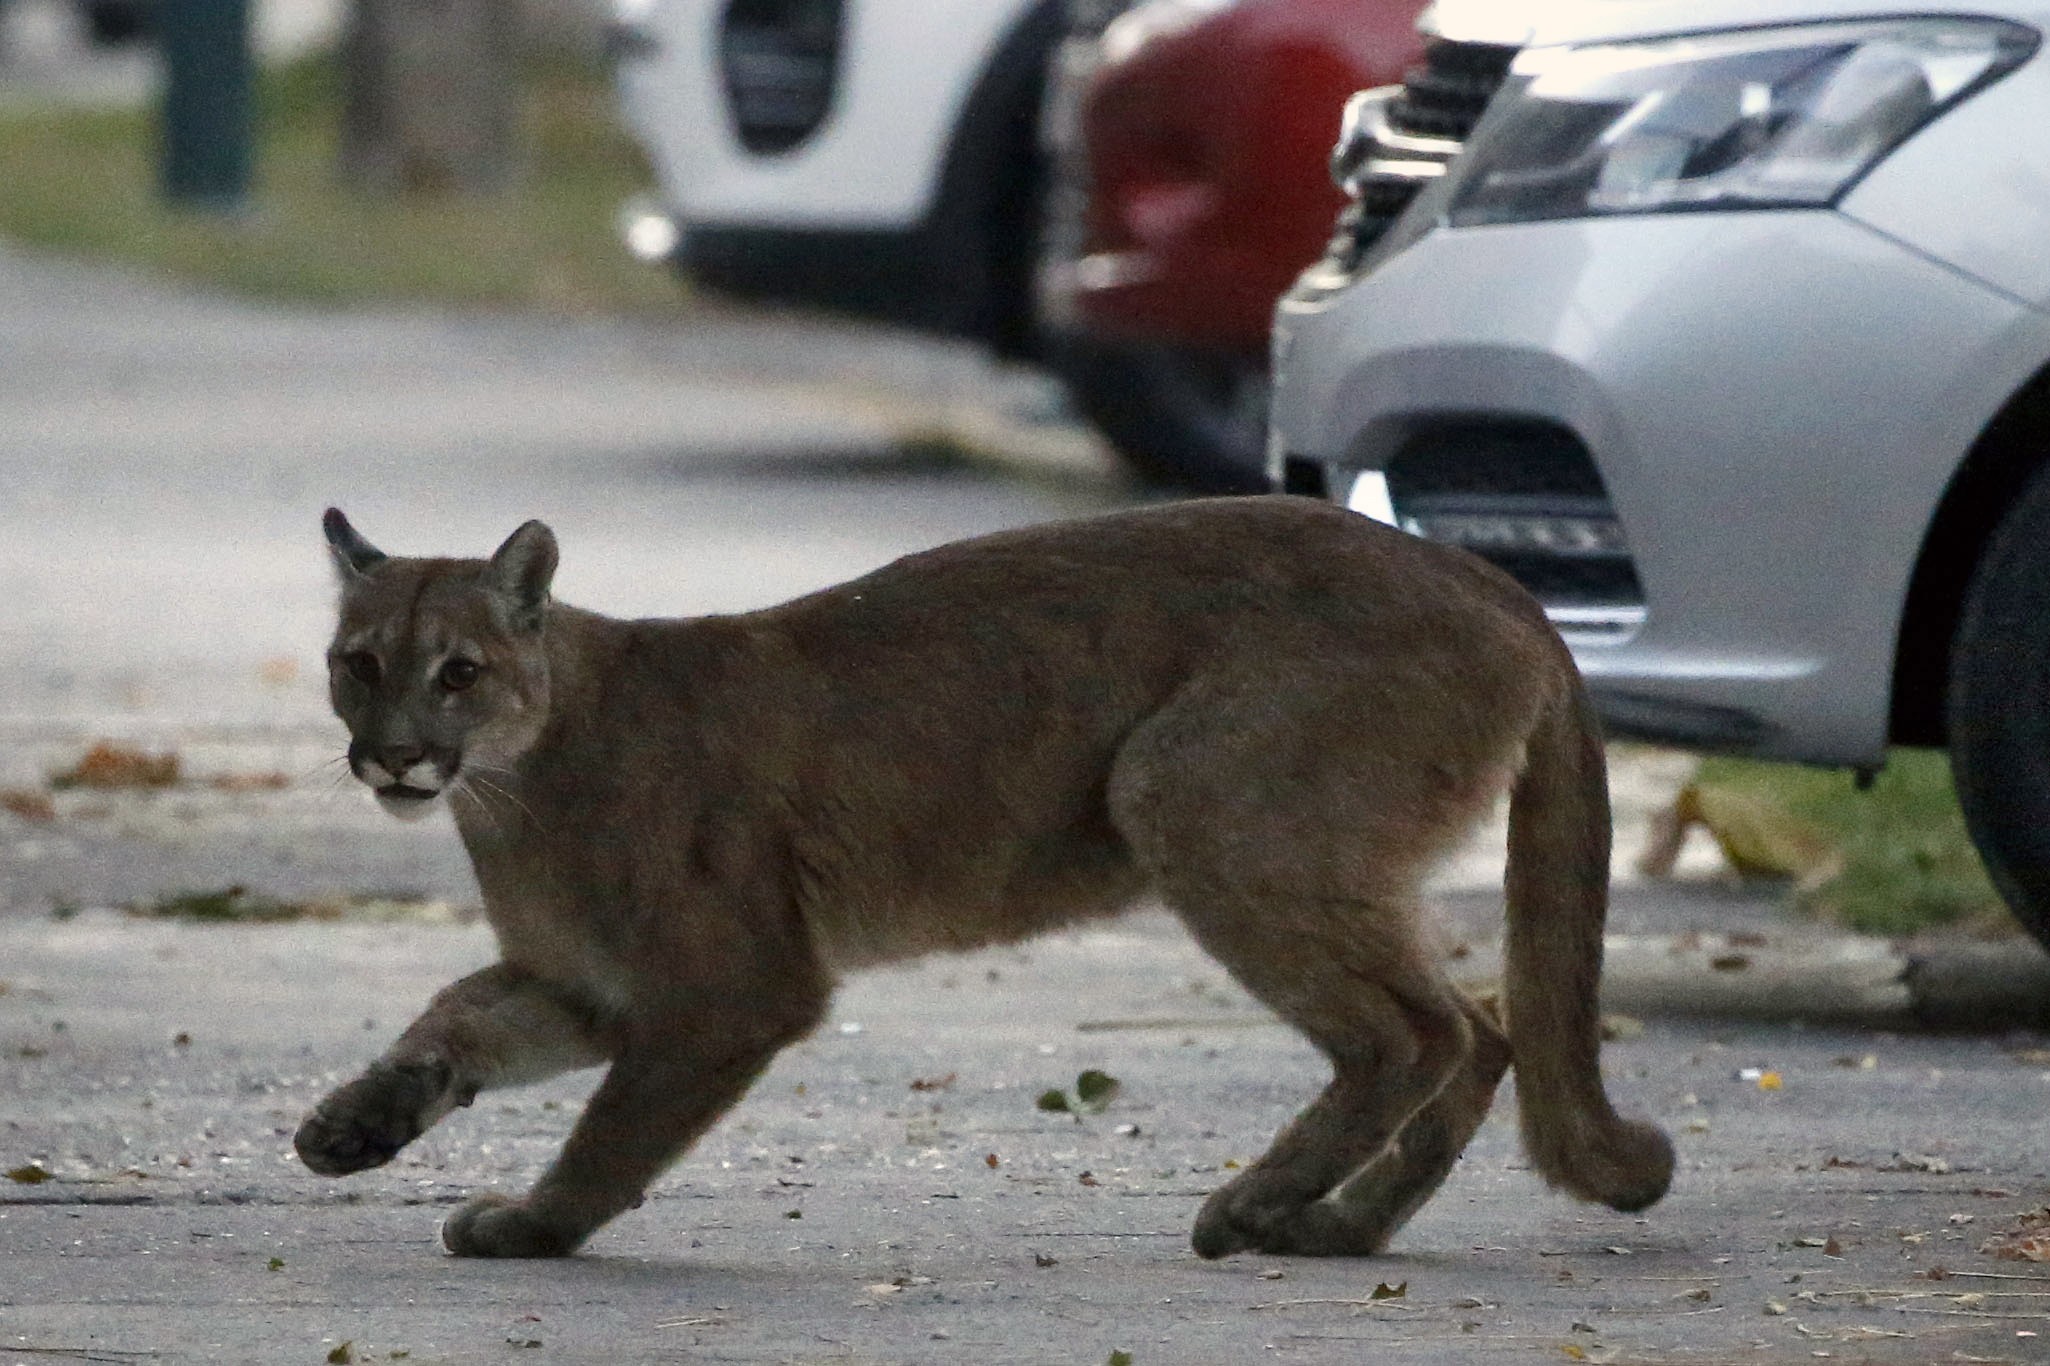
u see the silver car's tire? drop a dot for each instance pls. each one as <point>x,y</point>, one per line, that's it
<point>1999,711</point>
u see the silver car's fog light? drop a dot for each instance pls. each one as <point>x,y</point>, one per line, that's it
<point>1763,118</point>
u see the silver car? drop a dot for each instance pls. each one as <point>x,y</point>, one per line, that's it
<point>1725,327</point>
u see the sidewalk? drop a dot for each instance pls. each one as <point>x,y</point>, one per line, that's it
<point>891,1193</point>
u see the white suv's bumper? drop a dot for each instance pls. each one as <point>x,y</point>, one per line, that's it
<point>1775,403</point>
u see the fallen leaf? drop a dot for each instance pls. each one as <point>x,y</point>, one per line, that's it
<point>1054,1101</point>
<point>1770,1081</point>
<point>343,1354</point>
<point>2018,1246</point>
<point>33,807</point>
<point>1096,1089</point>
<point>1916,1162</point>
<point>249,782</point>
<point>1120,1357</point>
<point>1620,1028</point>
<point>1040,1259</point>
<point>1385,1291</point>
<point>990,1160</point>
<point>1088,1179</point>
<point>34,1174</point>
<point>107,765</point>
<point>275,1264</point>
<point>933,1083</point>
<point>1730,962</point>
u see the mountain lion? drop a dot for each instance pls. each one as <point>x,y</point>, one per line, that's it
<point>1274,714</point>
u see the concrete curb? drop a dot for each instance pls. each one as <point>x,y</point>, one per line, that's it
<point>1840,980</point>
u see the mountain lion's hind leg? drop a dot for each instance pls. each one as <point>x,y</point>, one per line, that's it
<point>497,1027</point>
<point>1393,1030</point>
<point>1376,1202</point>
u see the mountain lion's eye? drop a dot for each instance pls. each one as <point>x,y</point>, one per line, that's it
<point>459,674</point>
<point>363,667</point>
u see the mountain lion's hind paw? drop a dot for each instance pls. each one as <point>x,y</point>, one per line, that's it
<point>493,1226</point>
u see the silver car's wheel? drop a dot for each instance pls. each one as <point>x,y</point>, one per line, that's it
<point>2000,708</point>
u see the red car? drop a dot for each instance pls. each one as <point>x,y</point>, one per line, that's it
<point>1190,141</point>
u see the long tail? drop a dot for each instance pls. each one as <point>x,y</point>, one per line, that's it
<point>1558,895</point>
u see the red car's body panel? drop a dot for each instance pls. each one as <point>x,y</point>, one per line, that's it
<point>1207,152</point>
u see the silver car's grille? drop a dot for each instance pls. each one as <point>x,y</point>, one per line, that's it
<point>1398,138</point>
<point>780,62</point>
<point>1526,496</point>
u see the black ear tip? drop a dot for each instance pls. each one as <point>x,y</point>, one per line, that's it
<point>332,520</point>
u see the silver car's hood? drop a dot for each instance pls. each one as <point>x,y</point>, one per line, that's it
<point>1519,23</point>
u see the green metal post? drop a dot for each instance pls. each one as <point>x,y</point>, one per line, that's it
<point>208,114</point>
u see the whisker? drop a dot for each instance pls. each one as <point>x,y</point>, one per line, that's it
<point>504,794</point>
<point>462,788</point>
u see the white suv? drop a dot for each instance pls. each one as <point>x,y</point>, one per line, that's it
<point>880,159</point>
<point>910,163</point>
<point>1725,327</point>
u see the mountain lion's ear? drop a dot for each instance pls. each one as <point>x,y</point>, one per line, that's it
<point>523,568</point>
<point>354,557</point>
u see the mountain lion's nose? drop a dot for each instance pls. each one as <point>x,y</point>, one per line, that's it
<point>396,759</point>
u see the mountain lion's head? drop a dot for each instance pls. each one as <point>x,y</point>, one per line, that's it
<point>438,666</point>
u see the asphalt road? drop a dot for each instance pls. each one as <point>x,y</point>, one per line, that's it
<point>165,458</point>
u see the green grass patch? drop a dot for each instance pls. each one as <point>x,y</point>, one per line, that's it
<point>1907,863</point>
<point>85,182</point>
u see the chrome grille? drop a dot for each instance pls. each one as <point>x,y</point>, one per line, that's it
<point>1525,495</point>
<point>1397,138</point>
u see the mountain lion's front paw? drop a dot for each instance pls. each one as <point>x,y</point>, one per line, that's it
<point>493,1226</point>
<point>365,1123</point>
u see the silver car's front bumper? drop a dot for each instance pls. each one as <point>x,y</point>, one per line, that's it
<point>1774,402</point>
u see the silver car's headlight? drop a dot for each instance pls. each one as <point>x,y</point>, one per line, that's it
<point>1762,118</point>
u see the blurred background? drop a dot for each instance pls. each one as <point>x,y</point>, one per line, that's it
<point>742,299</point>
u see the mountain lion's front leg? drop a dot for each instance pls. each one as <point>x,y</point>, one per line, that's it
<point>670,1081</point>
<point>497,1027</point>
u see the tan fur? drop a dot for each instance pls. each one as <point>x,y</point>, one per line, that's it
<point>1274,714</point>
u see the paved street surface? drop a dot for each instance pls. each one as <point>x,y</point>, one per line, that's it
<point>891,1191</point>
<point>849,1211</point>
